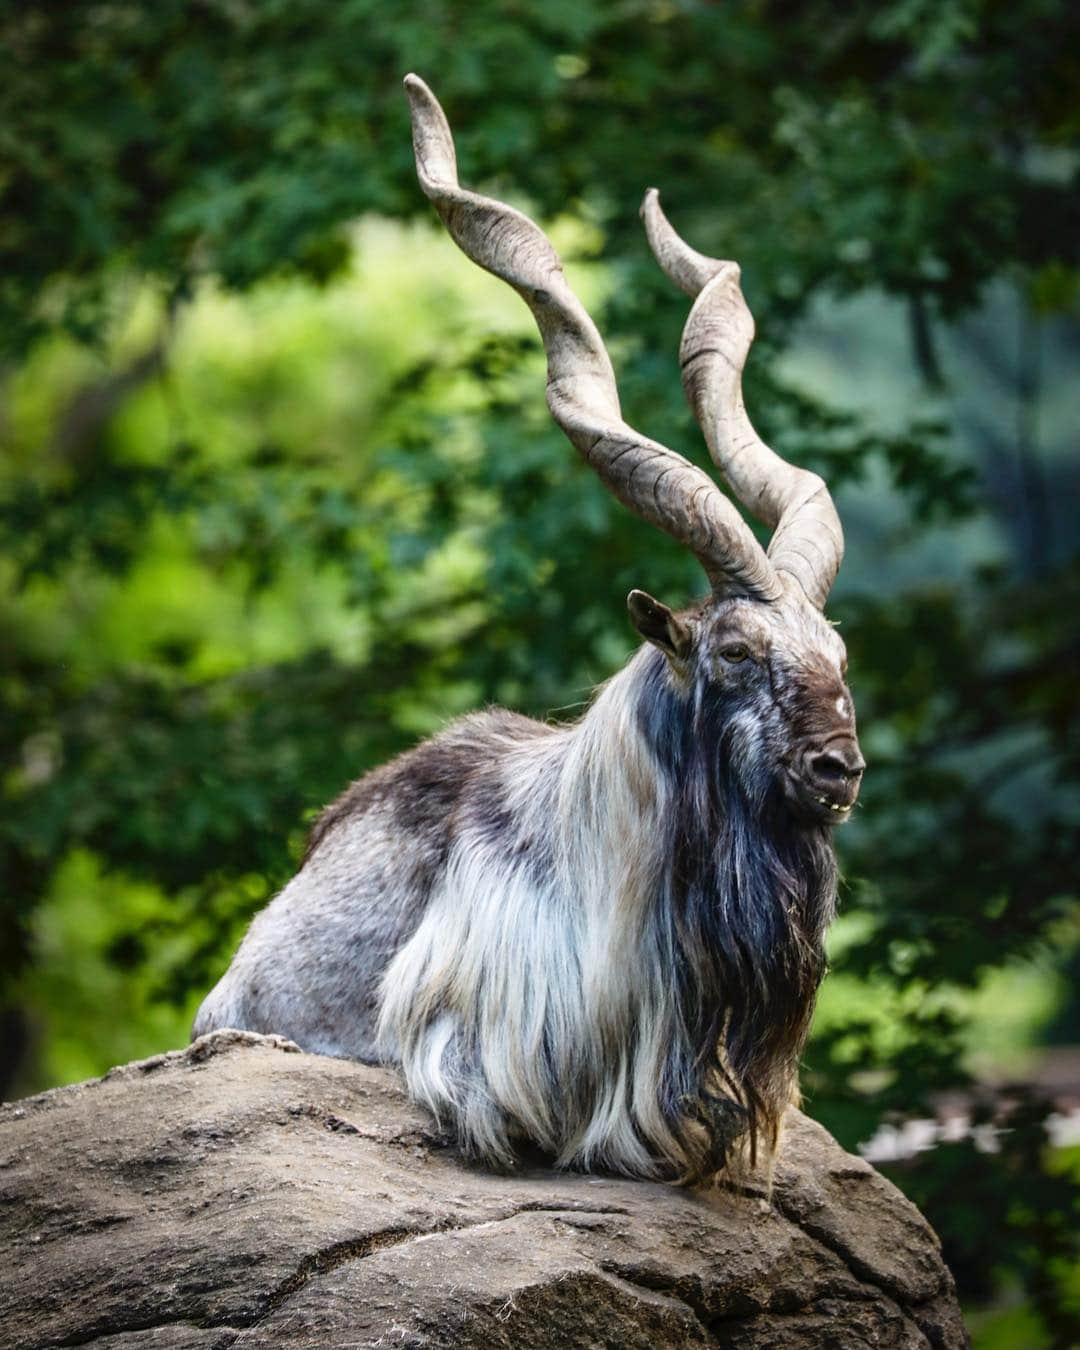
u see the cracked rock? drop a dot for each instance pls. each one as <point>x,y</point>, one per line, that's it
<point>242,1193</point>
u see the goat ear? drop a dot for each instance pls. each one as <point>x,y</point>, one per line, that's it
<point>659,625</point>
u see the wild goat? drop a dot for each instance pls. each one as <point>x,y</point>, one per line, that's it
<point>604,938</point>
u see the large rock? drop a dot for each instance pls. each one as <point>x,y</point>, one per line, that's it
<point>241,1193</point>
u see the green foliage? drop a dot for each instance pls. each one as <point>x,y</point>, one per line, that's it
<point>908,145</point>
<point>260,534</point>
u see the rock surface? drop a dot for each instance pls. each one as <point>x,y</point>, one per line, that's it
<point>241,1193</point>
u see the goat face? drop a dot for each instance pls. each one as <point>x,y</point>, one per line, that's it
<point>771,677</point>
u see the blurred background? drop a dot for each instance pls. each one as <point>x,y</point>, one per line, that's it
<point>279,496</point>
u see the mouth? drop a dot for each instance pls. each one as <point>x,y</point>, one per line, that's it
<point>841,809</point>
<point>829,808</point>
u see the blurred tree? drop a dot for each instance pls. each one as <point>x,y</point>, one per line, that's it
<point>167,743</point>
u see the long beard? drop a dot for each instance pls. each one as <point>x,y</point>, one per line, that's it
<point>749,896</point>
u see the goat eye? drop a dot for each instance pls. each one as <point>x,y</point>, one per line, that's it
<point>735,652</point>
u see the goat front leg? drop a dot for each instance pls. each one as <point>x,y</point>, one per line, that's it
<point>725,1122</point>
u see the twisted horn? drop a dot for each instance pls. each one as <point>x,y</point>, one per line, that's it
<point>653,481</point>
<point>807,542</point>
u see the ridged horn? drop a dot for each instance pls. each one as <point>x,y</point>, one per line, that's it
<point>653,481</point>
<point>807,542</point>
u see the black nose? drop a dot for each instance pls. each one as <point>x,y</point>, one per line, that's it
<point>838,763</point>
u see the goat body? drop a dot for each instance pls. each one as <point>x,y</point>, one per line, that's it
<point>592,936</point>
